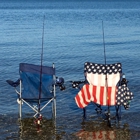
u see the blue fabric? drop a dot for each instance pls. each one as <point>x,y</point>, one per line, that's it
<point>31,82</point>
<point>36,68</point>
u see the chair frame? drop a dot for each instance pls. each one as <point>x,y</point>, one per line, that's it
<point>20,100</point>
<point>76,84</point>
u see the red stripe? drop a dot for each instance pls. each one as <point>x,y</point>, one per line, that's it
<point>109,96</point>
<point>87,91</point>
<point>77,98</point>
<point>94,135</point>
<point>84,97</point>
<point>82,93</point>
<point>101,95</point>
<point>100,135</point>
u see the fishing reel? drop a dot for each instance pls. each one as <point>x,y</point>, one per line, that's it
<point>60,83</point>
<point>124,81</point>
<point>38,119</point>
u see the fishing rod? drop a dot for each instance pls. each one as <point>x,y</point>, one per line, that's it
<point>104,42</point>
<point>40,88</point>
<point>106,82</point>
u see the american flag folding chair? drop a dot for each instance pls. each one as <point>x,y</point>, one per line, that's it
<point>37,86</point>
<point>104,86</point>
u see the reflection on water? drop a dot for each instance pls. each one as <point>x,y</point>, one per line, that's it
<point>100,131</point>
<point>30,130</point>
<point>64,128</point>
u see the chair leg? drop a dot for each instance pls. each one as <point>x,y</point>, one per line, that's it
<point>20,101</point>
<point>118,112</point>
<point>20,109</point>
<point>54,108</point>
<point>109,119</point>
<point>84,113</point>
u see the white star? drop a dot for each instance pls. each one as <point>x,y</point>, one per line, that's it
<point>108,68</point>
<point>113,67</point>
<point>92,67</point>
<point>98,67</point>
<point>89,70</point>
<point>94,70</point>
<point>104,71</point>
<point>121,95</point>
<point>103,67</point>
<point>122,100</point>
<point>100,70</point>
<point>119,98</point>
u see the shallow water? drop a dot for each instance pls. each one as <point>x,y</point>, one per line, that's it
<point>72,36</point>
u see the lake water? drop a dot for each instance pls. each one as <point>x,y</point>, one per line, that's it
<point>72,36</point>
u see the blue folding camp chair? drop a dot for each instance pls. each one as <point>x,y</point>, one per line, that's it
<point>37,87</point>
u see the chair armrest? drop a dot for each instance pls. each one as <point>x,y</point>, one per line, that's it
<point>12,83</point>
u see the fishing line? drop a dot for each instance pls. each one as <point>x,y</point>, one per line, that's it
<point>40,88</point>
<point>104,42</point>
